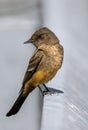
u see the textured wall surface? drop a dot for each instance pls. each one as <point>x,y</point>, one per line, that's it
<point>15,7</point>
<point>69,20</point>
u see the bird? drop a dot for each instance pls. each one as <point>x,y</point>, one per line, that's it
<point>47,59</point>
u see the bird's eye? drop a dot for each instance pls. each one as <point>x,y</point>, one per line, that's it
<point>40,36</point>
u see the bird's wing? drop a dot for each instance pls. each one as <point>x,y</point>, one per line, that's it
<point>33,65</point>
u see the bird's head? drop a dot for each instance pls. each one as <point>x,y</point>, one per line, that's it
<point>42,36</point>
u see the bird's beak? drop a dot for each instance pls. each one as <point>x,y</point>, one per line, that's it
<point>29,41</point>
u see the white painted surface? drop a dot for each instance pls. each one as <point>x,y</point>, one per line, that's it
<point>68,19</point>
<point>14,58</point>
<point>52,115</point>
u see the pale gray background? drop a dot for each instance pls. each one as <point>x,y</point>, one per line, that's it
<point>69,20</point>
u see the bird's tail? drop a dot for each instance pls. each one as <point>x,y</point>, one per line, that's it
<point>17,105</point>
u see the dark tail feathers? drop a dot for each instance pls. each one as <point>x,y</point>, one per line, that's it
<point>17,105</point>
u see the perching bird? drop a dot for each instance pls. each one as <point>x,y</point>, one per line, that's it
<point>43,65</point>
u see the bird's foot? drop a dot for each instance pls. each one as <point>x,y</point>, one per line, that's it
<point>51,91</point>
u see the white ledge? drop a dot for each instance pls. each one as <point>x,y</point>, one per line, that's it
<point>52,112</point>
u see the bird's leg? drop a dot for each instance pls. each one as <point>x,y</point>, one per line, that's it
<point>40,90</point>
<point>51,90</point>
<point>43,91</point>
<point>47,91</point>
<point>46,87</point>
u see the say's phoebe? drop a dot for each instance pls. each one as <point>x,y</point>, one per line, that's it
<point>43,65</point>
